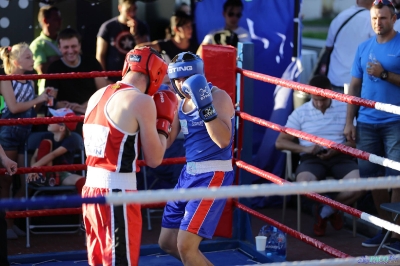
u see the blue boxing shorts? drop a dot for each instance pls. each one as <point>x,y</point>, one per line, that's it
<point>201,216</point>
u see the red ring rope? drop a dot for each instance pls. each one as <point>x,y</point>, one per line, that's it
<point>93,74</point>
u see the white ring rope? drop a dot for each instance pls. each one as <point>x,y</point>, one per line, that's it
<point>163,195</point>
<point>365,260</point>
<point>390,108</point>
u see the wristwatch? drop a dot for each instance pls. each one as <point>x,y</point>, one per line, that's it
<point>384,74</point>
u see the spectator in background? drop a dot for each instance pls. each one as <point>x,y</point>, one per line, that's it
<point>20,102</point>
<point>232,12</point>
<point>377,132</point>
<point>357,29</point>
<point>181,41</point>
<point>324,118</point>
<point>118,36</point>
<point>44,48</point>
<point>58,150</point>
<point>74,93</point>
<point>396,4</point>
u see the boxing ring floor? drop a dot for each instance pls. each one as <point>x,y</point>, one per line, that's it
<point>219,253</point>
<point>73,244</point>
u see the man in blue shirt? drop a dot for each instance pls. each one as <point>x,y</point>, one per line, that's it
<point>376,131</point>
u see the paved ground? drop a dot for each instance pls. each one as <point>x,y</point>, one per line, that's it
<point>342,240</point>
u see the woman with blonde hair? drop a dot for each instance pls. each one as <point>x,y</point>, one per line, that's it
<point>19,102</point>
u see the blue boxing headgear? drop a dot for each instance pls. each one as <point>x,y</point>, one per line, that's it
<point>184,65</point>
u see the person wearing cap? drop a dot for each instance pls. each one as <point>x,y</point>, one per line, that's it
<point>114,118</point>
<point>206,117</point>
<point>58,151</point>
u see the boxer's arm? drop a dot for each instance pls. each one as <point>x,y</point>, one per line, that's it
<point>220,129</point>
<point>153,143</point>
<point>175,129</point>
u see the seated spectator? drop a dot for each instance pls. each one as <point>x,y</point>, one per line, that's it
<point>20,102</point>
<point>44,48</point>
<point>181,41</point>
<point>58,151</point>
<point>117,36</point>
<point>74,93</point>
<point>324,118</point>
<point>232,12</point>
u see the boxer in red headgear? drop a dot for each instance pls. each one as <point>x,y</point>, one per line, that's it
<point>113,118</point>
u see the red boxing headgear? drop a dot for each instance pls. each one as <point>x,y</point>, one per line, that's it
<point>148,61</point>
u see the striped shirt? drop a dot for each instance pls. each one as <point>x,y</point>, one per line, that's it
<point>23,92</point>
<point>329,125</point>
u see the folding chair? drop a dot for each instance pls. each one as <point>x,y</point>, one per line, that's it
<point>31,145</point>
<point>290,176</point>
<point>394,208</point>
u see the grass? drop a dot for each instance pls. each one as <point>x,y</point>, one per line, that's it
<point>315,35</point>
<point>318,22</point>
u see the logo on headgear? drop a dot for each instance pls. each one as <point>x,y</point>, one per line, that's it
<point>135,58</point>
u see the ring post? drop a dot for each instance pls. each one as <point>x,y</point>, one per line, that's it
<point>245,90</point>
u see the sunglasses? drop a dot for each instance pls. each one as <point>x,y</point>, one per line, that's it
<point>238,15</point>
<point>383,2</point>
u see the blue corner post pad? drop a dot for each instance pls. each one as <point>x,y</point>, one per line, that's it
<point>48,202</point>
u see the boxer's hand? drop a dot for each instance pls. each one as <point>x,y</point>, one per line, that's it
<point>199,90</point>
<point>166,105</point>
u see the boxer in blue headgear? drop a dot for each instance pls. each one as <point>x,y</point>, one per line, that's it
<point>206,119</point>
<point>184,65</point>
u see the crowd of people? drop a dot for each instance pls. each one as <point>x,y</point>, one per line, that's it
<point>123,42</point>
<point>370,66</point>
<point>161,115</point>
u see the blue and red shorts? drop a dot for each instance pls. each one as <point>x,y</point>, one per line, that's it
<point>201,216</point>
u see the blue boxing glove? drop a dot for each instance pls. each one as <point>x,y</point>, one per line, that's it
<point>197,87</point>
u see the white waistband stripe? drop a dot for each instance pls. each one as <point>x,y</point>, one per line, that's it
<point>194,168</point>
<point>101,178</point>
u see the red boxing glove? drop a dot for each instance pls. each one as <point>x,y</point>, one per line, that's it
<point>166,105</point>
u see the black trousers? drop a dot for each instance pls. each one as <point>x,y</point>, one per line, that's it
<point>3,239</point>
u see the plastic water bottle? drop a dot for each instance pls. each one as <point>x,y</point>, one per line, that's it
<point>276,243</point>
<point>372,60</point>
<point>266,230</point>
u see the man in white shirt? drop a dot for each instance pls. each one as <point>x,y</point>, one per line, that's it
<point>357,30</point>
<point>324,118</point>
<point>232,12</point>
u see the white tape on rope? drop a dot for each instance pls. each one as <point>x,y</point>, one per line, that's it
<point>384,161</point>
<point>379,222</point>
<point>390,108</point>
<point>365,260</point>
